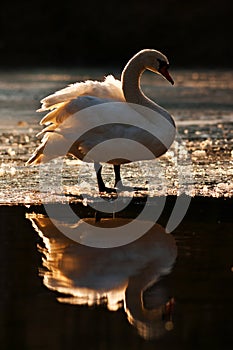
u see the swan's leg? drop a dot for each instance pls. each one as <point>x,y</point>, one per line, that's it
<point>98,169</point>
<point>118,180</point>
<point>117,171</point>
<point>119,184</point>
<point>101,185</point>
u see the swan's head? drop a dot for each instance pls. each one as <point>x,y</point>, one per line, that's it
<point>156,62</point>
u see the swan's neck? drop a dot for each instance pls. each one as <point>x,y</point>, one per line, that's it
<point>130,78</point>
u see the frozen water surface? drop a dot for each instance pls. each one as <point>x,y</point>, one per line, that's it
<point>200,162</point>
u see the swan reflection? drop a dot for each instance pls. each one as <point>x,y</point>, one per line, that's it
<point>123,276</point>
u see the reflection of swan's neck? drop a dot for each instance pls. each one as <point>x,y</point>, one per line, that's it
<point>130,78</point>
<point>134,304</point>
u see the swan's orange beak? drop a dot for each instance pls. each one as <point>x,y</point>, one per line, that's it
<point>163,70</point>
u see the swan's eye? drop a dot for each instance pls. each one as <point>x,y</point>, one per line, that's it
<point>162,64</point>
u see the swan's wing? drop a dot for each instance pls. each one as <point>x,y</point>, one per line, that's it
<point>110,88</point>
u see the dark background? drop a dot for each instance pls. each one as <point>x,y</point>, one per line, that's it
<point>50,33</point>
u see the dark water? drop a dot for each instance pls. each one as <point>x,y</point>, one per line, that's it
<point>161,291</point>
<point>164,291</point>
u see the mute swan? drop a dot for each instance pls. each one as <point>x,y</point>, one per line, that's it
<point>63,104</point>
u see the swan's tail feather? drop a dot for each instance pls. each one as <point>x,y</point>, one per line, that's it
<point>53,145</point>
<point>56,116</point>
<point>37,156</point>
<point>41,155</point>
<point>49,128</point>
<point>43,109</point>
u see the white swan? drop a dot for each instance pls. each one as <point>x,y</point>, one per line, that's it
<point>64,105</point>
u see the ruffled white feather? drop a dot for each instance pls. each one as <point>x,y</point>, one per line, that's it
<point>66,102</point>
<point>109,88</point>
